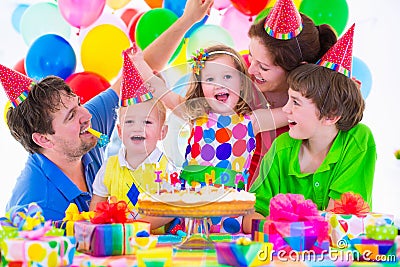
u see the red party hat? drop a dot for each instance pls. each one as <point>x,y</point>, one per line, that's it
<point>283,21</point>
<point>15,84</point>
<point>339,56</point>
<point>133,90</point>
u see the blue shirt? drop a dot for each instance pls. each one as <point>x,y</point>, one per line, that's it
<point>41,181</point>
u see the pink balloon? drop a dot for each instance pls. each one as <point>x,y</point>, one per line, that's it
<point>237,24</point>
<point>221,4</point>
<point>81,13</point>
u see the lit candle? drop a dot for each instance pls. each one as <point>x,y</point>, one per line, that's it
<point>245,179</point>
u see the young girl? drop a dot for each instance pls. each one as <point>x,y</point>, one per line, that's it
<point>218,105</point>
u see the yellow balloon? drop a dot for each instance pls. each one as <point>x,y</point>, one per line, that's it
<point>181,58</point>
<point>117,4</point>
<point>6,108</point>
<point>101,50</point>
<point>272,3</point>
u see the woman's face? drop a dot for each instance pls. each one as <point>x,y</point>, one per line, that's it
<point>268,76</point>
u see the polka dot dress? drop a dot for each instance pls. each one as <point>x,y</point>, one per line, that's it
<point>221,141</point>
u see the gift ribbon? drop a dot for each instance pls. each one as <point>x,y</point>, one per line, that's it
<point>73,214</point>
<point>111,212</point>
<point>294,208</point>
<point>350,203</point>
<point>25,218</point>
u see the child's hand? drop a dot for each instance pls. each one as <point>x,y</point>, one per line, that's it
<point>195,10</point>
<point>135,53</point>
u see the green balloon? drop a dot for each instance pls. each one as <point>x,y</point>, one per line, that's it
<point>262,15</point>
<point>208,35</point>
<point>332,12</point>
<point>152,24</point>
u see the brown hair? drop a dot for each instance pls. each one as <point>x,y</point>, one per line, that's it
<point>309,46</point>
<point>34,115</point>
<point>333,93</point>
<point>195,101</point>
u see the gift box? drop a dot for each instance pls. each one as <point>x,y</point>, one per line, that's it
<point>243,254</point>
<point>381,232</point>
<point>365,249</point>
<point>343,228</point>
<point>291,236</point>
<point>72,214</point>
<point>45,251</point>
<point>294,224</point>
<point>107,239</point>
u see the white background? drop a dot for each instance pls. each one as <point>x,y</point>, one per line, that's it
<point>376,42</point>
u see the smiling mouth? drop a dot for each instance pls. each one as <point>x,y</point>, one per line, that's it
<point>259,80</point>
<point>137,138</point>
<point>292,123</point>
<point>223,97</point>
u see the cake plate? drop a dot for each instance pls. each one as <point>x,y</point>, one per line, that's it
<point>198,235</point>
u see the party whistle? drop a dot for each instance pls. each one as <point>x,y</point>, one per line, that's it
<point>103,139</point>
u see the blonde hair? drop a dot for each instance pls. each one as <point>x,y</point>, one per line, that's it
<point>162,111</point>
<point>196,104</point>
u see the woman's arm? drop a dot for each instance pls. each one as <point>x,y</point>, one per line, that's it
<point>268,119</point>
<point>160,51</point>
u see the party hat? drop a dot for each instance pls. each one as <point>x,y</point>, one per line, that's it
<point>340,55</point>
<point>15,84</point>
<point>133,89</point>
<point>283,21</point>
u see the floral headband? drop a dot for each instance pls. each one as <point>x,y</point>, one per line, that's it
<point>198,59</point>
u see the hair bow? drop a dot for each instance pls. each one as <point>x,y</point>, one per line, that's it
<point>198,59</point>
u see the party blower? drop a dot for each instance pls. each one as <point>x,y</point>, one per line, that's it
<point>103,139</point>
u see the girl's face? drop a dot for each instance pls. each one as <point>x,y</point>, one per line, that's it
<point>303,116</point>
<point>140,128</point>
<point>221,84</point>
<point>268,76</point>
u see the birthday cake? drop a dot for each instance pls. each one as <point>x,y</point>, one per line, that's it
<point>205,202</point>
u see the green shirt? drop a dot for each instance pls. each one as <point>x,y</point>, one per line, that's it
<point>348,166</point>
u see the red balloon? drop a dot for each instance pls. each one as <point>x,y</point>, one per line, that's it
<point>87,84</point>
<point>250,7</point>
<point>128,14</point>
<point>20,66</point>
<point>246,59</point>
<point>132,26</point>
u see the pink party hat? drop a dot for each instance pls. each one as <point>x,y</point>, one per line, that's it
<point>15,84</point>
<point>339,56</point>
<point>283,21</point>
<point>133,90</point>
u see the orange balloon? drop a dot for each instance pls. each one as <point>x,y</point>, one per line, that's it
<point>154,3</point>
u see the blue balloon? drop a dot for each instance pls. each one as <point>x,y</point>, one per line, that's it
<point>16,16</point>
<point>361,72</point>
<point>50,54</point>
<point>182,85</point>
<point>196,26</point>
<point>176,6</point>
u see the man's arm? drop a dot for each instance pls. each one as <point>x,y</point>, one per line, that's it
<point>160,50</point>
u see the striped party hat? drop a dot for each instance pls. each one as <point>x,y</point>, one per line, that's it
<point>283,21</point>
<point>339,57</point>
<point>15,84</point>
<point>133,89</point>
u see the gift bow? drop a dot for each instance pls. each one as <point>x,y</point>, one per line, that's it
<point>73,214</point>
<point>25,218</point>
<point>111,212</point>
<point>294,208</point>
<point>350,203</point>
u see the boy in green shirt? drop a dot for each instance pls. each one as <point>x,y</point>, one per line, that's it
<point>327,151</point>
